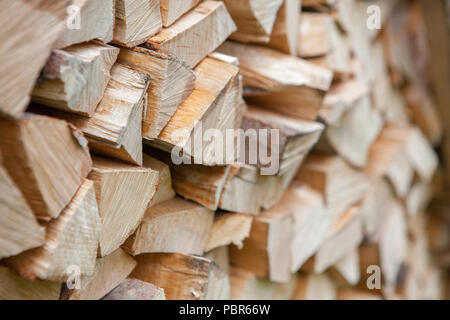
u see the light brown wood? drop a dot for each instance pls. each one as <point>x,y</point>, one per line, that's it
<point>109,273</point>
<point>229,228</point>
<point>70,240</point>
<point>314,35</point>
<point>183,276</point>
<point>346,271</point>
<point>196,34</point>
<point>172,10</point>
<point>47,159</point>
<point>221,256</point>
<point>134,289</point>
<point>123,193</point>
<point>164,191</point>
<point>254,19</point>
<point>15,287</point>
<point>172,81</point>
<point>285,84</point>
<point>315,287</point>
<point>19,230</point>
<point>96,20</point>
<point>26,24</point>
<point>173,226</point>
<point>75,79</point>
<point>136,21</point>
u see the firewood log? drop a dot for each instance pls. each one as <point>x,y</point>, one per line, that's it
<point>164,191</point>
<point>134,289</point>
<point>346,271</point>
<point>172,10</point>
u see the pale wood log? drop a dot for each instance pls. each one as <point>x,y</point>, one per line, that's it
<point>14,287</point>
<point>136,21</point>
<point>254,19</point>
<point>284,35</point>
<point>341,185</point>
<point>280,82</point>
<point>47,159</point>
<point>418,198</point>
<point>315,287</point>
<point>346,271</point>
<point>109,272</point>
<point>75,79</point>
<point>134,289</point>
<point>183,276</point>
<point>70,240</point>
<point>172,10</point>
<point>314,35</point>
<point>123,193</point>
<point>26,24</point>
<point>229,228</point>
<point>343,236</point>
<point>173,226</point>
<point>19,230</point>
<point>225,58</point>
<point>96,22</point>
<point>196,34</point>
<point>164,191</point>
<point>172,81</point>
<point>221,256</point>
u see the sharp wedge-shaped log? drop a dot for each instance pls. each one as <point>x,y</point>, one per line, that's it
<point>75,79</point>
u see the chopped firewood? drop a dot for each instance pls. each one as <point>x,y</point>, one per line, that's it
<point>70,240</point>
<point>26,24</point>
<point>229,228</point>
<point>353,125</point>
<point>164,191</point>
<point>314,35</point>
<point>224,58</point>
<point>343,236</point>
<point>136,21</point>
<point>196,34</point>
<point>183,276</point>
<point>15,287</point>
<point>254,18</point>
<point>47,159</point>
<point>418,198</point>
<point>221,256</point>
<point>190,222</point>
<point>134,289</point>
<point>88,20</point>
<point>214,104</point>
<point>109,273</point>
<point>280,82</point>
<point>346,271</point>
<point>123,193</point>
<point>19,229</point>
<point>315,287</point>
<point>266,251</point>
<point>75,79</point>
<point>341,185</point>
<point>172,10</point>
<point>284,35</point>
<point>172,81</point>
<point>247,286</point>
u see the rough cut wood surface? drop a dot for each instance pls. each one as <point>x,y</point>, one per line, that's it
<point>134,289</point>
<point>172,10</point>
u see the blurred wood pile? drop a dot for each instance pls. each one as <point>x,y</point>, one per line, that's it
<point>93,204</point>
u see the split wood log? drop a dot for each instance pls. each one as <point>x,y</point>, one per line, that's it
<point>284,35</point>
<point>47,159</point>
<point>229,228</point>
<point>346,271</point>
<point>190,222</point>
<point>134,289</point>
<point>123,193</point>
<point>280,82</point>
<point>418,199</point>
<point>26,24</point>
<point>109,272</point>
<point>70,240</point>
<point>315,287</point>
<point>343,236</point>
<point>172,10</point>
<point>164,191</point>
<point>183,276</point>
<point>221,256</point>
<point>136,21</point>
<point>172,81</point>
<point>341,185</point>
<point>254,19</point>
<point>314,37</point>
<point>88,20</point>
<point>196,34</point>
<point>15,287</point>
<point>19,230</point>
<point>247,286</point>
<point>75,79</point>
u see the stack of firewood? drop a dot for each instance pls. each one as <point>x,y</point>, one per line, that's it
<point>118,180</point>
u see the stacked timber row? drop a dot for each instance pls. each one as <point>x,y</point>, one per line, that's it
<point>95,203</point>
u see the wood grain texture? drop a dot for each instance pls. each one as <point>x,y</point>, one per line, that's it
<point>172,10</point>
